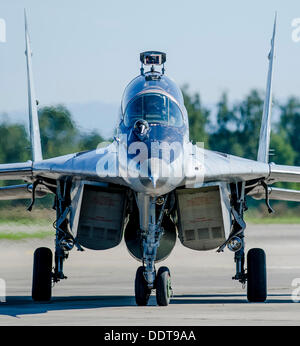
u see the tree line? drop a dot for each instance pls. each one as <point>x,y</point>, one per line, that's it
<point>59,136</point>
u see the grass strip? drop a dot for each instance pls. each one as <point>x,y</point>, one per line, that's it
<point>25,235</point>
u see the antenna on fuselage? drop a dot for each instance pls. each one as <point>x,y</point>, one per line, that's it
<point>153,58</point>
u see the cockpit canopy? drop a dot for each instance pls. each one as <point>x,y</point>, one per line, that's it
<point>149,82</point>
<point>154,108</point>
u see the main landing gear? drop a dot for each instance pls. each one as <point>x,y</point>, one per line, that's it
<point>44,276</point>
<point>147,278</point>
<point>255,276</point>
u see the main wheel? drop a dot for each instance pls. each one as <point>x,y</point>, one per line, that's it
<point>42,274</point>
<point>256,275</point>
<point>142,292</point>
<point>163,286</point>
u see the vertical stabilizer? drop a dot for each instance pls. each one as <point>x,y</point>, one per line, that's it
<point>265,130</point>
<point>35,137</point>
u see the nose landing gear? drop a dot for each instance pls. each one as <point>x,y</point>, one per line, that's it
<point>142,291</point>
<point>162,285</point>
<point>146,277</point>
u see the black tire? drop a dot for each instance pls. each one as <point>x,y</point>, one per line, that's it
<point>256,275</point>
<point>42,275</point>
<point>163,286</point>
<point>142,292</point>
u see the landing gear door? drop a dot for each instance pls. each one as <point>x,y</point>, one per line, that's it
<point>97,216</point>
<point>204,216</point>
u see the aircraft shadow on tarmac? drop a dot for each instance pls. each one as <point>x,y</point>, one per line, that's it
<point>23,305</point>
<point>227,299</point>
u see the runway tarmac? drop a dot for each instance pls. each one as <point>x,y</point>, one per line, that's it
<point>100,286</point>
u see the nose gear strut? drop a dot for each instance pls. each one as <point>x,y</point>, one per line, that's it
<point>151,240</point>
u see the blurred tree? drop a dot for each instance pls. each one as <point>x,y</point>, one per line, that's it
<point>198,117</point>
<point>290,124</point>
<point>224,137</point>
<point>238,128</point>
<point>284,154</point>
<point>59,135</point>
<point>90,141</point>
<point>14,143</point>
<point>226,116</point>
<point>248,122</point>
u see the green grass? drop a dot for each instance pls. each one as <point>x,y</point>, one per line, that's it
<point>21,214</point>
<point>36,224</point>
<point>283,214</point>
<point>41,221</point>
<point>24,235</point>
<point>25,222</point>
<point>273,220</point>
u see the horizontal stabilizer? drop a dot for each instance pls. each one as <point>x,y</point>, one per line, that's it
<point>15,171</point>
<point>20,192</point>
<point>276,194</point>
<point>283,173</point>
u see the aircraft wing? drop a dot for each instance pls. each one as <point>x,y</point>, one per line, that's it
<point>230,168</point>
<point>90,165</point>
<point>210,166</point>
<point>84,165</point>
<point>218,166</point>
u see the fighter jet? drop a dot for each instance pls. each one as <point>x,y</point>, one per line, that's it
<point>150,186</point>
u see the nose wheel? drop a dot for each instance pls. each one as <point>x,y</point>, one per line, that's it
<point>163,287</point>
<point>142,291</point>
<point>162,284</point>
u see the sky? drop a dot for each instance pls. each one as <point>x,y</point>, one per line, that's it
<point>85,52</point>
